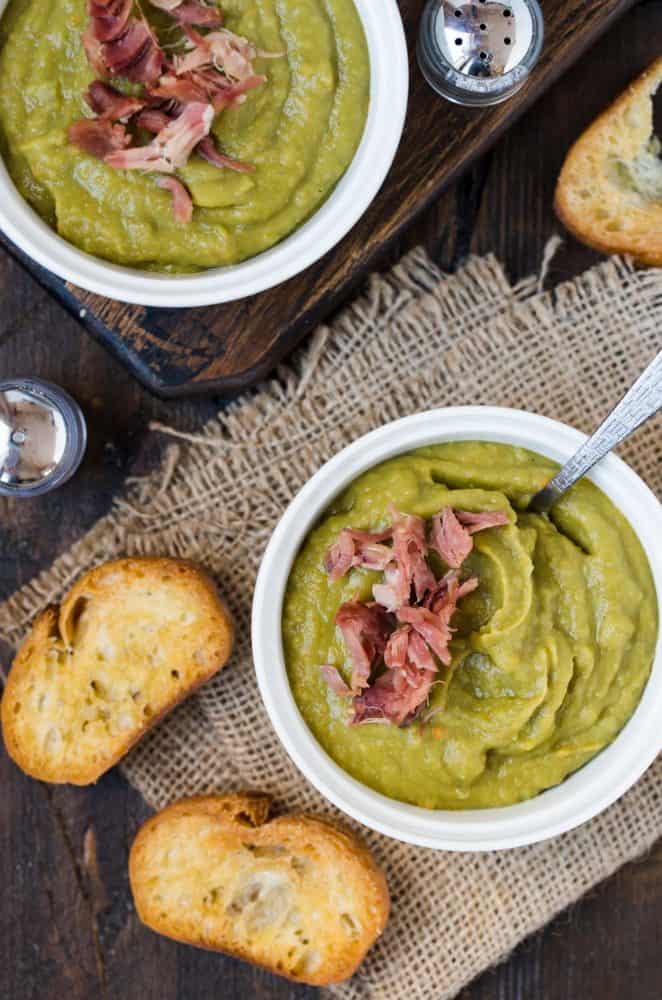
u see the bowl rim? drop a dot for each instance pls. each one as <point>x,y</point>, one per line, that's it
<point>583,794</point>
<point>326,227</point>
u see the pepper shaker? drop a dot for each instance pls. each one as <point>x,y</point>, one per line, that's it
<point>480,53</point>
<point>42,437</point>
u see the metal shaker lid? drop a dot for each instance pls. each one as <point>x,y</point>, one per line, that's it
<point>479,52</point>
<point>42,437</point>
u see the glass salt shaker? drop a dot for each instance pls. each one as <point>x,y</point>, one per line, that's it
<point>42,437</point>
<point>481,53</point>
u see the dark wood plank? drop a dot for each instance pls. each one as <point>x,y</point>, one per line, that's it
<point>226,348</point>
<point>604,948</point>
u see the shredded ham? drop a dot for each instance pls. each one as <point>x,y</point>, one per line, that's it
<point>432,621</point>
<point>153,120</point>
<point>117,44</point>
<point>408,567</point>
<point>395,654</point>
<point>191,12</point>
<point>485,519</point>
<point>171,147</point>
<point>230,53</point>
<point>395,590</point>
<point>134,55</point>
<point>357,548</point>
<point>398,695</point>
<point>179,100</point>
<point>208,151</point>
<point>109,18</point>
<point>410,550</point>
<point>106,102</point>
<point>450,539</point>
<point>182,206</point>
<point>452,531</point>
<point>407,643</point>
<point>98,136</point>
<point>198,13</point>
<point>205,84</point>
<point>335,682</point>
<point>449,584</point>
<point>432,627</point>
<point>180,88</point>
<point>94,51</point>
<point>420,655</point>
<point>365,629</point>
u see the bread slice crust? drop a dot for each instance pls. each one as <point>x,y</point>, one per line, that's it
<point>130,641</point>
<point>597,197</point>
<point>296,895</point>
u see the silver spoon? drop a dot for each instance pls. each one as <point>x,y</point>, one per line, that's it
<point>639,403</point>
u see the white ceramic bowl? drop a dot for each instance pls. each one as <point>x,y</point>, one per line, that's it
<point>389,84</point>
<point>581,796</point>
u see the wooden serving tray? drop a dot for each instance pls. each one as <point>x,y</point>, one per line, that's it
<point>225,349</point>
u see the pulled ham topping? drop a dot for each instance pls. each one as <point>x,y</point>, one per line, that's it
<point>109,18</point>
<point>191,12</point>
<point>452,531</point>
<point>98,136</point>
<point>153,120</point>
<point>366,629</point>
<point>106,102</point>
<point>227,52</point>
<point>179,98</point>
<point>358,548</point>
<point>406,567</point>
<point>182,206</point>
<point>133,54</point>
<point>397,695</point>
<point>206,148</point>
<point>396,642</point>
<point>172,146</point>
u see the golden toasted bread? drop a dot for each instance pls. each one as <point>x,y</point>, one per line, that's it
<point>131,639</point>
<point>609,193</point>
<point>295,895</point>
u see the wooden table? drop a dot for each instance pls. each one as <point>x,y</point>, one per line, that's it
<point>67,926</point>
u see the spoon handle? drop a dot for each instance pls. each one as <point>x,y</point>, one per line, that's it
<point>642,401</point>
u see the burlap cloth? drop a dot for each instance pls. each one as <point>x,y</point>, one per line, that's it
<point>415,340</point>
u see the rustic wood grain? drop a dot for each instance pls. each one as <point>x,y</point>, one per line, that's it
<point>66,932</point>
<point>226,348</point>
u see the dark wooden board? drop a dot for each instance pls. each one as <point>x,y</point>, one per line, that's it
<point>66,933</point>
<point>224,349</point>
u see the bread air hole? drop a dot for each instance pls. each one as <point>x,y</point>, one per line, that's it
<point>99,690</point>
<point>174,674</point>
<point>350,925</point>
<point>243,818</point>
<point>263,901</point>
<point>269,851</point>
<point>17,707</point>
<point>301,865</point>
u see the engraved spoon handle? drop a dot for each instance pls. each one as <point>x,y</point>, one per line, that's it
<point>642,401</point>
